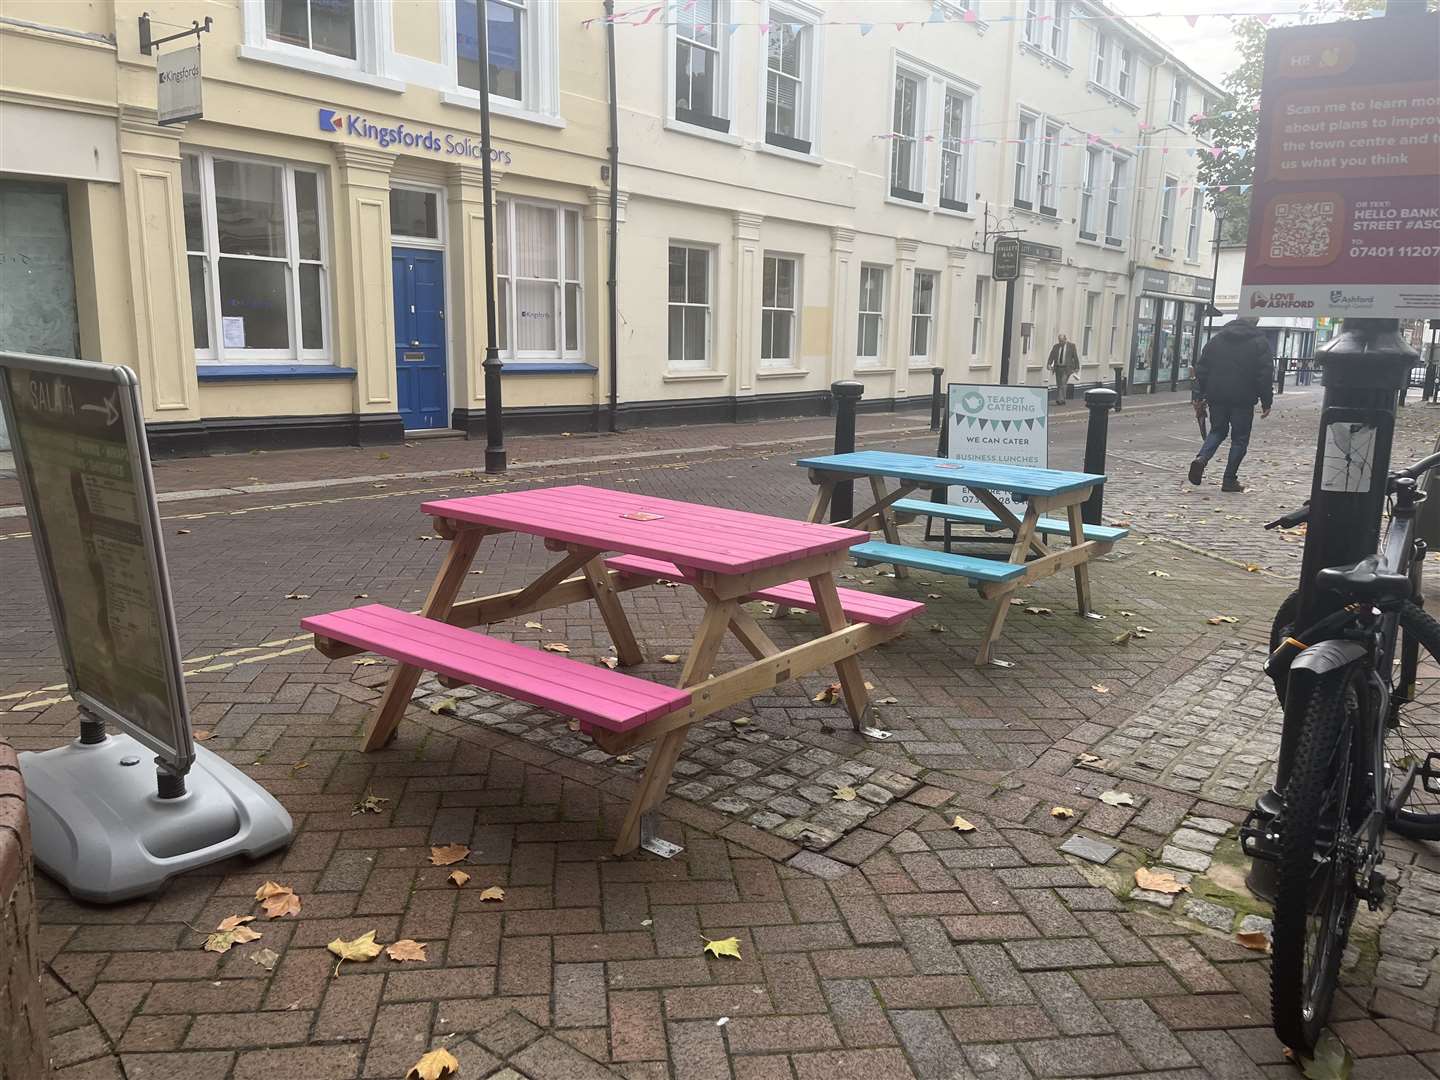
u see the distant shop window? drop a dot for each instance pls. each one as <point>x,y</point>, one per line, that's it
<point>956,129</point>
<point>1179,91</point>
<point>326,26</point>
<point>977,316</point>
<point>1117,316</point>
<point>789,85</point>
<point>701,60</point>
<point>1115,201</point>
<point>689,308</point>
<point>922,315</point>
<point>1024,155</point>
<point>414,214</point>
<point>1092,310</point>
<point>906,171</point>
<point>538,284</point>
<point>1094,163</point>
<point>257,247</point>
<point>1049,175</point>
<point>1125,78</point>
<point>778,310</point>
<point>1168,198</point>
<point>870,334</point>
<point>1192,235</point>
<point>508,38</point>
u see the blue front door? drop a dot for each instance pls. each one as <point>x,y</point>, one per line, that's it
<point>420,338</point>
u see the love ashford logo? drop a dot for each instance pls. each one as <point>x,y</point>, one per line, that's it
<point>421,140</point>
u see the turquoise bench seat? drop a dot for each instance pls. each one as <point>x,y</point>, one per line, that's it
<point>978,515</point>
<point>941,562</point>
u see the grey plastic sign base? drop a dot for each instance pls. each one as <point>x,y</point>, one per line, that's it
<point>101,830</point>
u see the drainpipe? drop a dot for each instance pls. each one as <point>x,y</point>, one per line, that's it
<point>611,284</point>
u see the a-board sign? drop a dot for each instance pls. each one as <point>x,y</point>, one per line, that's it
<point>1345,213</point>
<point>1005,264</point>
<point>1008,425</point>
<point>84,470</point>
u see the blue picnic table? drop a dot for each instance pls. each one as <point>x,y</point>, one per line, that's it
<point>1053,498</point>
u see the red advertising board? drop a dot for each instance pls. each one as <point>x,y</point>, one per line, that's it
<point>1345,212</point>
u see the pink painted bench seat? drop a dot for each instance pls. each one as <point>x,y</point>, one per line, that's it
<point>596,696</point>
<point>859,606</point>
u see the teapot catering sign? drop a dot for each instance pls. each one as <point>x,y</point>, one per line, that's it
<point>1345,213</point>
<point>1002,424</point>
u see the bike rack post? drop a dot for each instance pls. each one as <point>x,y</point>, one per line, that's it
<point>1100,402</point>
<point>847,396</point>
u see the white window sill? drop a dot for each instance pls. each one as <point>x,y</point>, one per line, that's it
<point>793,155</point>
<point>922,207</point>
<point>978,365</point>
<point>318,67</point>
<point>1043,56</point>
<point>782,373</point>
<point>964,215</point>
<point>1035,215</point>
<point>466,99</point>
<point>1178,127</point>
<point>872,369</point>
<point>922,364</point>
<point>694,376</point>
<point>683,128</point>
<point>1113,96</point>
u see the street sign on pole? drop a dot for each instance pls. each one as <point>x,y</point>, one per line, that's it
<point>1006,260</point>
<point>1345,212</point>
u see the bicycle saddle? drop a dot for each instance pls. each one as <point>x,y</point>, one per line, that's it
<point>1364,581</point>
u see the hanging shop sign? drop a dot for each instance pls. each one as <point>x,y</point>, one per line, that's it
<point>178,91</point>
<point>1006,260</point>
<point>1031,249</point>
<point>1007,425</point>
<point>1345,214</point>
<point>402,137</point>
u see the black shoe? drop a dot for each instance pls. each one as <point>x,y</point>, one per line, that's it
<point>1233,485</point>
<point>1197,470</point>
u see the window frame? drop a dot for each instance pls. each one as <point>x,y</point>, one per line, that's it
<point>356,18</point>
<point>922,359</point>
<point>807,110</point>
<point>957,154</point>
<point>1099,63</point>
<point>373,35</point>
<point>1117,319</point>
<point>509,352</point>
<point>295,353</point>
<point>1116,230</point>
<point>1125,73</point>
<point>1169,204</point>
<point>772,363</point>
<point>1047,28</point>
<point>877,359</point>
<point>708,360</point>
<point>1192,235</point>
<point>1179,98</point>
<point>722,94</point>
<point>1087,333</point>
<point>409,240</point>
<point>1024,176</point>
<point>915,194</point>
<point>977,315</point>
<point>1048,173</point>
<point>1094,166</point>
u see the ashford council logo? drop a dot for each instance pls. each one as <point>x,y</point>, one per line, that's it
<point>1280,301</point>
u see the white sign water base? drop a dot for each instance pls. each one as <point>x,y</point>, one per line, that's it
<point>1006,425</point>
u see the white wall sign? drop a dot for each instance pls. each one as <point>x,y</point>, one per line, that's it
<point>178,73</point>
<point>1008,425</point>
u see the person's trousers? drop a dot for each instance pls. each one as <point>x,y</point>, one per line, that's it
<point>1235,421</point>
<point>1061,378</point>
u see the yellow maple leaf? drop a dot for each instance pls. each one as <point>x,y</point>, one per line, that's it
<point>357,949</point>
<point>1061,812</point>
<point>671,658</point>
<point>1157,881</point>
<point>458,878</point>
<point>445,704</point>
<point>729,946</point>
<point>406,949</point>
<point>961,825</point>
<point>843,794</point>
<point>494,892</point>
<point>445,854</point>
<point>434,1065</point>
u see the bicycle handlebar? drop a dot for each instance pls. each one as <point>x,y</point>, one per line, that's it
<point>1290,520</point>
<point>1422,466</point>
<point>1412,472</point>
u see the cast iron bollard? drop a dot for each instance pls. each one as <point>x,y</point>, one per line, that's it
<point>937,401</point>
<point>1430,371</point>
<point>1280,375</point>
<point>1100,402</point>
<point>1119,385</point>
<point>847,396</point>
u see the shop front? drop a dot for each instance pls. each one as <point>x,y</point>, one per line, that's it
<point>1169,309</point>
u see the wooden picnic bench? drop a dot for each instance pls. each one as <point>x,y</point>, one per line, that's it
<point>1030,557</point>
<point>726,556</point>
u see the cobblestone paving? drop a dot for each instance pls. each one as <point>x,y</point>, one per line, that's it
<point>903,948</point>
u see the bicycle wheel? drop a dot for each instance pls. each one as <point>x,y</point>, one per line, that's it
<point>1281,627</point>
<point>1414,729</point>
<point>1315,896</point>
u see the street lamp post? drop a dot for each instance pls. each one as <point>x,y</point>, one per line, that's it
<point>494,422</point>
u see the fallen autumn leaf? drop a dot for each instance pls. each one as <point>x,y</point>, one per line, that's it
<point>446,854</point>
<point>729,946</point>
<point>406,949</point>
<point>434,1065</point>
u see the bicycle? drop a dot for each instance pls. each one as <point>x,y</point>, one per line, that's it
<point>1365,674</point>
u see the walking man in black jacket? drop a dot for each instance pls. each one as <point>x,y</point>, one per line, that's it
<point>1235,370</point>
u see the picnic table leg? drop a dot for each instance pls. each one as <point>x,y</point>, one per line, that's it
<point>1019,552</point>
<point>832,618</point>
<point>993,626</point>
<point>382,725</point>
<point>821,503</point>
<point>887,521</point>
<point>636,827</point>
<point>1082,570</point>
<point>747,631</point>
<point>627,649</point>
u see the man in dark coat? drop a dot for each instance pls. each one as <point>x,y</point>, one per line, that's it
<point>1235,370</point>
<point>1064,361</point>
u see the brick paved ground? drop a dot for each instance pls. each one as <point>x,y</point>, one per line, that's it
<point>904,948</point>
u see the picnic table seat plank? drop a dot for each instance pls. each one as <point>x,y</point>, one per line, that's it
<point>941,562</point>
<point>591,694</point>
<point>857,605</point>
<point>941,472</point>
<point>706,538</point>
<point>978,515</point>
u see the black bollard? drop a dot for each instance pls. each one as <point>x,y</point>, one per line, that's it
<point>1280,375</point>
<point>937,401</point>
<point>1119,385</point>
<point>1100,402</point>
<point>1430,371</point>
<point>847,396</point>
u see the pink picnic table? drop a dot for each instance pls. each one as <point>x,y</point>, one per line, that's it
<point>726,556</point>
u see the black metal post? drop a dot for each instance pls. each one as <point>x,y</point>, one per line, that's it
<point>612,275</point>
<point>1280,366</point>
<point>1119,387</point>
<point>847,395</point>
<point>494,423</point>
<point>1430,369</point>
<point>937,400</point>
<point>1008,333</point>
<point>1100,402</point>
<point>1362,369</point>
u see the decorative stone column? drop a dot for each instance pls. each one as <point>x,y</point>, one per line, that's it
<point>365,302</point>
<point>953,324</point>
<point>747,271</point>
<point>843,298</point>
<point>159,285</point>
<point>900,308</point>
<point>596,274</point>
<point>464,195</point>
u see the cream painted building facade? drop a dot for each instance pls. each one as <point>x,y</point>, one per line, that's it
<point>803,197</point>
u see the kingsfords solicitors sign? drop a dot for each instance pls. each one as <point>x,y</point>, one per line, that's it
<point>402,137</point>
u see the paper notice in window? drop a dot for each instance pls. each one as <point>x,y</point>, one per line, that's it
<point>232,331</point>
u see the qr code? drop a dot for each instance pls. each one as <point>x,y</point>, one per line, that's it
<point>1302,230</point>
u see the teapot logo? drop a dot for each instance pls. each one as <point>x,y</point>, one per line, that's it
<point>1330,57</point>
